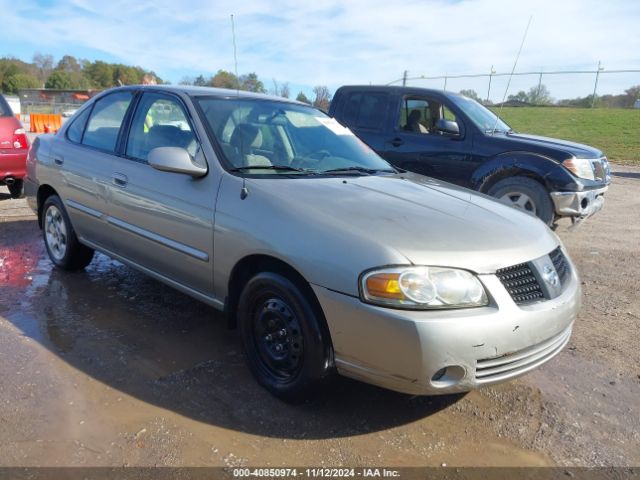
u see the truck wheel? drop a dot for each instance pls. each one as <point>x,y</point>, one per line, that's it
<point>16,189</point>
<point>525,194</point>
<point>60,239</point>
<point>282,337</point>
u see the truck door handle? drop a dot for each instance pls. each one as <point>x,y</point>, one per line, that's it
<point>396,142</point>
<point>58,160</point>
<point>120,179</point>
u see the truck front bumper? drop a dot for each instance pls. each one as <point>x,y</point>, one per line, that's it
<point>447,351</point>
<point>578,204</point>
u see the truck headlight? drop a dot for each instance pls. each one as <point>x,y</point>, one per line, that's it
<point>422,288</point>
<point>580,167</point>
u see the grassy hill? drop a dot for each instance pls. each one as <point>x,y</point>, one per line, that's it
<point>615,131</point>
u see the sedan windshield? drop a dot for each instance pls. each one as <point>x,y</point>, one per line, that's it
<point>484,118</point>
<point>265,137</point>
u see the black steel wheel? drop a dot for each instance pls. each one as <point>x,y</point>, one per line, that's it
<point>283,337</point>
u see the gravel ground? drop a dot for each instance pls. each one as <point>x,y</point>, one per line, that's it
<point>108,367</point>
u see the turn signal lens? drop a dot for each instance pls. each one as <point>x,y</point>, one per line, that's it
<point>384,285</point>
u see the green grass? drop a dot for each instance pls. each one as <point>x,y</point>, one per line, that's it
<point>615,131</point>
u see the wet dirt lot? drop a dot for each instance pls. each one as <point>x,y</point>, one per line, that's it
<point>109,367</point>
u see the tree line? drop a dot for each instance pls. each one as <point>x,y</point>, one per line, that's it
<point>71,73</point>
<point>250,82</point>
<point>539,95</point>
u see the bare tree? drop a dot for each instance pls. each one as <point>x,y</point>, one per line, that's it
<point>323,97</point>
<point>44,64</point>
<point>284,90</point>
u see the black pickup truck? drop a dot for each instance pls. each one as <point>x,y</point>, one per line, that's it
<point>454,138</point>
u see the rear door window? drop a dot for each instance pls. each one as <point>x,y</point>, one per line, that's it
<point>366,110</point>
<point>105,121</point>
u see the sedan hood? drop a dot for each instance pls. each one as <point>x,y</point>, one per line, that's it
<point>427,221</point>
<point>521,141</point>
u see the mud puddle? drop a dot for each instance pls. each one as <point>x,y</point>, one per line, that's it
<point>109,367</point>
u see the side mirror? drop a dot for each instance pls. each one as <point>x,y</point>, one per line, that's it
<point>447,126</point>
<point>176,160</point>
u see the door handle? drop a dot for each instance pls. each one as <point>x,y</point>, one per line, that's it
<point>120,179</point>
<point>58,160</point>
<point>396,142</point>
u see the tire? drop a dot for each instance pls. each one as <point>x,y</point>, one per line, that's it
<point>525,194</point>
<point>16,189</point>
<point>63,247</point>
<point>284,343</point>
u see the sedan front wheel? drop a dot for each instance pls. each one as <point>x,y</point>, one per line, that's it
<point>286,347</point>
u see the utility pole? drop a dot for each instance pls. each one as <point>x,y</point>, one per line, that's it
<point>404,79</point>
<point>595,86</point>
<point>445,83</point>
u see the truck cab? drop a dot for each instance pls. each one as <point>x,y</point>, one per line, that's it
<point>450,137</point>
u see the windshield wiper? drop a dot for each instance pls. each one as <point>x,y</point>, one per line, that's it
<point>272,167</point>
<point>355,170</point>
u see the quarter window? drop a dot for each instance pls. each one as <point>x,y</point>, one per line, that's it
<point>75,130</point>
<point>105,121</point>
<point>159,121</point>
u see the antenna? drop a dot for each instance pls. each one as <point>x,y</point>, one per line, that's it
<point>235,54</point>
<point>526,30</point>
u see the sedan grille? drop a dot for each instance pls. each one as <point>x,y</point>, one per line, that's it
<point>521,283</point>
<point>503,367</point>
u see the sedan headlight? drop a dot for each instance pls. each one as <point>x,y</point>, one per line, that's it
<point>422,288</point>
<point>580,167</point>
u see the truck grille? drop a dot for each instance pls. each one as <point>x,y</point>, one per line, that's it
<point>599,169</point>
<point>496,369</point>
<point>521,283</point>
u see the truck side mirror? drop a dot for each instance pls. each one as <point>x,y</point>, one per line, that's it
<point>447,126</point>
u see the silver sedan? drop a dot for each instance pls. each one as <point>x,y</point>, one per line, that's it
<point>325,257</point>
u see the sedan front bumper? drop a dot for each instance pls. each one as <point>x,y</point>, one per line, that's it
<point>447,351</point>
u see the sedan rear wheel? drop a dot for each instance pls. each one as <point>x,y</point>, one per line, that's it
<point>63,247</point>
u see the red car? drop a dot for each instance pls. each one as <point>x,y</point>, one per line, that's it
<point>14,146</point>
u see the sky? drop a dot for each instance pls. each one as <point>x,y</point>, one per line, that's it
<point>338,42</point>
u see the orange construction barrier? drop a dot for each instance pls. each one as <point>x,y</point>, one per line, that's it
<point>45,122</point>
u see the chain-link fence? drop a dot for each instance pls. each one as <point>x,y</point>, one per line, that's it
<point>38,100</point>
<point>561,84</point>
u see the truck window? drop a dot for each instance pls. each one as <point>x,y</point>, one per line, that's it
<point>366,110</point>
<point>414,115</point>
<point>420,115</point>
